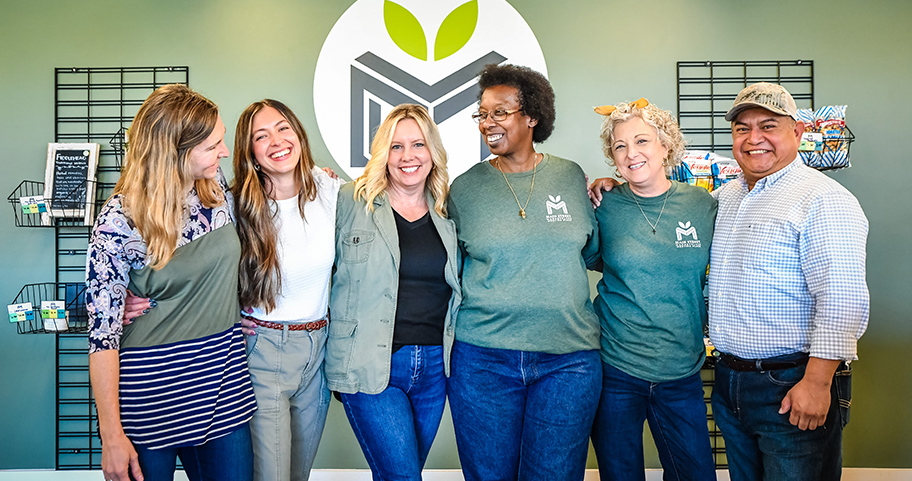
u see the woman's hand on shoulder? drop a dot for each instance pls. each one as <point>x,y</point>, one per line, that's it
<point>599,185</point>
<point>135,306</point>
<point>331,173</point>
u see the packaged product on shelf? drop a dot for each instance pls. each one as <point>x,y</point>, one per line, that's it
<point>830,122</point>
<point>696,168</point>
<point>724,170</point>
<point>811,141</point>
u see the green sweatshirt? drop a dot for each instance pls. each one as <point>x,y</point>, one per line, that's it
<point>524,281</point>
<point>650,302</point>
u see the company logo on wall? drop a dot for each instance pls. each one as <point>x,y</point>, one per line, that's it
<point>380,54</point>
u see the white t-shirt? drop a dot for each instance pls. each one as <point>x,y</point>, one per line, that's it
<point>306,250</point>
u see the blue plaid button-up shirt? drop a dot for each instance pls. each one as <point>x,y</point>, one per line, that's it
<point>787,267</point>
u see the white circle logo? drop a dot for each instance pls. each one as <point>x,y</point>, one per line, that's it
<point>380,54</point>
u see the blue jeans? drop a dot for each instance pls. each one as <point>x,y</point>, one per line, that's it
<point>676,413</point>
<point>397,426</point>
<point>227,458</point>
<point>760,443</point>
<point>523,415</point>
<point>286,369</point>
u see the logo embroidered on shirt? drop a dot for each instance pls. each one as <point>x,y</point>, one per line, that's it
<point>686,230</point>
<point>555,204</point>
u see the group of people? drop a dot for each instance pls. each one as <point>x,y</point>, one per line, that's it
<point>475,292</point>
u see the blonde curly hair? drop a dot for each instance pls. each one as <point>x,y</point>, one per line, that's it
<point>666,126</point>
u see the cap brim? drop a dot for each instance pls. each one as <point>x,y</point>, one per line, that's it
<point>734,111</point>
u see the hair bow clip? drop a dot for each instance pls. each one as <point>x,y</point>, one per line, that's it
<point>606,110</point>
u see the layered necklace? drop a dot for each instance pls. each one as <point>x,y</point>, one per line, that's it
<point>644,213</point>
<point>522,208</point>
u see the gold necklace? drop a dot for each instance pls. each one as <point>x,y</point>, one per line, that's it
<point>644,214</point>
<point>522,208</point>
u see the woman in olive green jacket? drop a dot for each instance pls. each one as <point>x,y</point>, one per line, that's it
<point>395,293</point>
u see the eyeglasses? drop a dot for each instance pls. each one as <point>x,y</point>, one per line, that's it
<point>496,115</point>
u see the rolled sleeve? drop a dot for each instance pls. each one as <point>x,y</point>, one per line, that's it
<point>832,252</point>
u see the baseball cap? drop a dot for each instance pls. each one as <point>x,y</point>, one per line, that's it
<point>769,96</point>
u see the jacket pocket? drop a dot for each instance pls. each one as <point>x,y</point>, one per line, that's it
<point>356,245</point>
<point>340,345</point>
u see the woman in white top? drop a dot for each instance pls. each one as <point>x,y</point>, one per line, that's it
<point>286,210</point>
<point>286,213</point>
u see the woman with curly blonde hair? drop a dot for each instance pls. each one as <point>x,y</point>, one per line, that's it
<point>654,236</point>
<point>395,292</point>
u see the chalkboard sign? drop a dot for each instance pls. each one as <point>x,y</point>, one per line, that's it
<point>69,182</point>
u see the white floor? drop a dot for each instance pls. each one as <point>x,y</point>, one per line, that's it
<point>848,474</point>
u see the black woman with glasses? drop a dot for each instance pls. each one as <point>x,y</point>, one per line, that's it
<point>526,374</point>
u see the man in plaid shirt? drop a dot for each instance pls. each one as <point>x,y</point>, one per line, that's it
<point>788,299</point>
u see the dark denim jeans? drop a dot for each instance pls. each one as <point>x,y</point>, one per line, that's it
<point>523,415</point>
<point>397,426</point>
<point>228,458</point>
<point>676,413</point>
<point>760,443</point>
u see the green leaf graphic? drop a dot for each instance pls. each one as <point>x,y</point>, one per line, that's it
<point>405,30</point>
<point>456,30</point>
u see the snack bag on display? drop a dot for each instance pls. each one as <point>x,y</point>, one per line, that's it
<point>811,141</point>
<point>830,123</point>
<point>724,170</point>
<point>696,167</point>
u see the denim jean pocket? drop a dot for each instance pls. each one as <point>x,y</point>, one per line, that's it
<point>786,377</point>
<point>843,387</point>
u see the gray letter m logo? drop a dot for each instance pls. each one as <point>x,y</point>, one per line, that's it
<point>362,133</point>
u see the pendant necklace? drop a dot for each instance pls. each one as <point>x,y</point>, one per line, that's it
<point>522,208</point>
<point>644,213</point>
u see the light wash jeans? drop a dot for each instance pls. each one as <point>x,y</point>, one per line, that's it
<point>286,368</point>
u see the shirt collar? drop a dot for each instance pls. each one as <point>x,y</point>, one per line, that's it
<point>771,179</point>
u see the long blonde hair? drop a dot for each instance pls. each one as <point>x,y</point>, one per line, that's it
<point>158,169</point>
<point>260,278</point>
<point>375,179</point>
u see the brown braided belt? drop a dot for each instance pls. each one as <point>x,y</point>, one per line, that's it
<point>298,326</point>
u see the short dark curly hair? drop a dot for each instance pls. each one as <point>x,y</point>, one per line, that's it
<point>536,97</point>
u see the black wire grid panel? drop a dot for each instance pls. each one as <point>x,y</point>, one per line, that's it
<point>707,89</point>
<point>90,105</point>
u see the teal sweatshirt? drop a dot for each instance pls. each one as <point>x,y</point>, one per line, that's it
<point>650,299</point>
<point>524,281</point>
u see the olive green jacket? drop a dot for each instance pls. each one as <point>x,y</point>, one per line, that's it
<point>365,287</point>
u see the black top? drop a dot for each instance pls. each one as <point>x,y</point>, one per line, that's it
<point>423,291</point>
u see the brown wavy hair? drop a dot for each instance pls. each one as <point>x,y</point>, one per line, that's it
<point>260,278</point>
<point>157,172</point>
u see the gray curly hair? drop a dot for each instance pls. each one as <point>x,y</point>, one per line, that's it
<point>666,126</point>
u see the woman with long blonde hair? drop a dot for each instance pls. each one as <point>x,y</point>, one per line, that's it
<point>175,385</point>
<point>395,292</point>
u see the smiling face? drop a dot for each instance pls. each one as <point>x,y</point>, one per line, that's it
<point>204,158</point>
<point>764,142</point>
<point>409,162</point>
<point>276,145</point>
<point>512,134</point>
<point>639,156</point>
